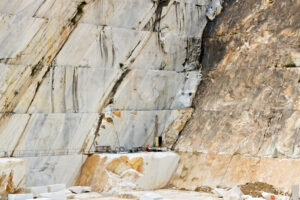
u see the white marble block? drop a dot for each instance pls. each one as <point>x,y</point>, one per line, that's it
<point>20,196</point>
<point>37,190</point>
<point>56,187</point>
<point>54,195</point>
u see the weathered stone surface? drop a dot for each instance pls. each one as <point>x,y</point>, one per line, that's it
<point>248,102</point>
<point>45,170</point>
<point>128,171</point>
<point>228,171</point>
<point>138,128</point>
<point>12,175</point>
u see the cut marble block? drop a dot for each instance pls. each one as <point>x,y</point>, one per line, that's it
<point>128,171</point>
<point>46,170</point>
<point>20,7</point>
<point>55,134</point>
<point>156,90</point>
<point>12,175</point>
<point>181,17</point>
<point>138,128</point>
<point>56,187</point>
<point>20,196</point>
<point>54,195</point>
<point>107,47</point>
<point>36,190</point>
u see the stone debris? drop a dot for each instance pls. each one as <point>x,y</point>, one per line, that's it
<point>233,194</point>
<point>56,187</point>
<point>20,196</point>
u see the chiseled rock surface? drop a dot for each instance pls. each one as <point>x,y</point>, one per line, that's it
<point>66,63</point>
<point>145,171</point>
<point>47,134</point>
<point>114,130</point>
<point>12,175</point>
<point>248,102</point>
<point>156,90</point>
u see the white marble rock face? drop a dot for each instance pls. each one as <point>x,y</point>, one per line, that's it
<point>185,18</point>
<point>111,47</point>
<point>47,134</point>
<point>156,90</point>
<point>74,90</point>
<point>138,128</point>
<point>58,75</point>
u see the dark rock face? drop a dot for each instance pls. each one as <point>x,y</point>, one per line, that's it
<point>248,103</point>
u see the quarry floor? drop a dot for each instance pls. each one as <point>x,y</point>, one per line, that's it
<point>135,195</point>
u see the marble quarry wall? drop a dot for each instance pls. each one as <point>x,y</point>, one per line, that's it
<point>246,124</point>
<point>80,73</point>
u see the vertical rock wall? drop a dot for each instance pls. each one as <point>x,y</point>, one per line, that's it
<point>246,124</point>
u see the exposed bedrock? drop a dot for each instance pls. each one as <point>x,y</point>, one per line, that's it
<point>246,124</point>
<point>77,73</point>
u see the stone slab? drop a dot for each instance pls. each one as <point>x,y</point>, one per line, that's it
<point>37,190</point>
<point>46,170</point>
<point>20,196</point>
<point>56,187</point>
<point>128,171</point>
